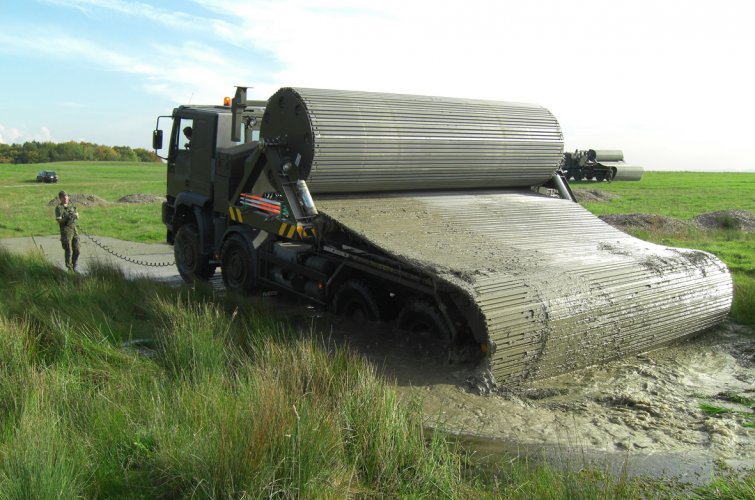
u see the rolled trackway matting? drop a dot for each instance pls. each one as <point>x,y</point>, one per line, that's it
<point>347,142</point>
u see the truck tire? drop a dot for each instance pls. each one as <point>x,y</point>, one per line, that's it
<point>355,299</point>
<point>423,318</point>
<point>238,264</point>
<point>191,263</point>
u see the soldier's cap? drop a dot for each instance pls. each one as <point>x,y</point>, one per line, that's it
<point>62,194</point>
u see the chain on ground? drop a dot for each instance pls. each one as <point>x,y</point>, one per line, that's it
<point>124,257</point>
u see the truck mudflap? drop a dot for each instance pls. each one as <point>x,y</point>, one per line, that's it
<point>555,287</point>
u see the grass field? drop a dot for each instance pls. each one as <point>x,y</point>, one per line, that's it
<point>26,212</point>
<point>683,195</point>
<point>229,401</point>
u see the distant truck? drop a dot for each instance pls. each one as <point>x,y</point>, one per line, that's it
<point>600,165</point>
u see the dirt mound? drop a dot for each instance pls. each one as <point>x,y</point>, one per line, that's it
<point>726,219</point>
<point>87,200</point>
<point>141,198</point>
<point>592,195</point>
<point>646,222</point>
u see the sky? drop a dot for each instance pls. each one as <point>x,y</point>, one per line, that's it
<point>671,83</point>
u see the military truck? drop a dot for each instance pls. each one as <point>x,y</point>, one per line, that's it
<point>599,165</point>
<point>444,216</point>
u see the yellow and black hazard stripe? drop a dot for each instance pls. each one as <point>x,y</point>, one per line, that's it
<point>290,231</point>
<point>235,214</point>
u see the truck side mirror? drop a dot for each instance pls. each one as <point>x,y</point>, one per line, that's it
<point>157,140</point>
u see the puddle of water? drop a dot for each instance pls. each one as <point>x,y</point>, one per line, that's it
<point>684,467</point>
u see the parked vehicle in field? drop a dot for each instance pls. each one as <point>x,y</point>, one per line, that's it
<point>47,176</point>
<point>600,165</point>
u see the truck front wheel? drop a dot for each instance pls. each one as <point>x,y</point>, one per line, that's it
<point>423,318</point>
<point>238,265</point>
<point>355,299</point>
<point>191,264</point>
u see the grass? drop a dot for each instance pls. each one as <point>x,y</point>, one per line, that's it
<point>26,212</point>
<point>747,417</point>
<point>683,195</point>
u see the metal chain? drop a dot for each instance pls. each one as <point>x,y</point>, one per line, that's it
<point>124,257</point>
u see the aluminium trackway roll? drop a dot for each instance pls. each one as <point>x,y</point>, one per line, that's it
<point>348,141</point>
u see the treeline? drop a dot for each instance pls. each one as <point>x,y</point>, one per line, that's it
<point>43,152</point>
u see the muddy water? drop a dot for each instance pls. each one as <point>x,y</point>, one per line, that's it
<point>640,414</point>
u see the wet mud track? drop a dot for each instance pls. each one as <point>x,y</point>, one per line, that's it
<point>641,415</point>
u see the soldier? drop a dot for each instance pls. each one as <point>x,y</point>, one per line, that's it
<point>66,216</point>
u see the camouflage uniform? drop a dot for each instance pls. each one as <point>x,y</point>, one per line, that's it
<point>69,234</point>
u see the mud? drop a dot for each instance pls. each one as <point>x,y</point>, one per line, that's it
<point>593,195</point>
<point>647,222</point>
<point>141,198</point>
<point>92,200</point>
<point>87,200</point>
<point>643,412</point>
<point>727,219</point>
<point>742,220</point>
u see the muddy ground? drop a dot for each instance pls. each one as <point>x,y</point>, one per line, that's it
<point>642,413</point>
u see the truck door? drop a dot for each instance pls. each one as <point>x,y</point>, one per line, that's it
<point>190,167</point>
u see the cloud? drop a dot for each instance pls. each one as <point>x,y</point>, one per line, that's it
<point>174,72</point>
<point>172,19</point>
<point>14,135</point>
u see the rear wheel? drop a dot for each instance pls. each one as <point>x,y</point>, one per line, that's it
<point>191,263</point>
<point>355,299</point>
<point>423,318</point>
<point>238,265</point>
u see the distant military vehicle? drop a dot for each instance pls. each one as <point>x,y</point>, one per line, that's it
<point>599,165</point>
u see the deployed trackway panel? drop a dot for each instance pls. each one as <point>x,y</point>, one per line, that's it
<point>554,286</point>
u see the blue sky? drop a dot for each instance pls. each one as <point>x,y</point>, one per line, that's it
<point>672,83</point>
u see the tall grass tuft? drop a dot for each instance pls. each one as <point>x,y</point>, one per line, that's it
<point>38,459</point>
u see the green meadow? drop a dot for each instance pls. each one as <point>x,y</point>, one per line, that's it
<point>25,208</point>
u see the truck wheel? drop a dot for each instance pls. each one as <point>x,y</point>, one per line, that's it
<point>354,299</point>
<point>238,265</point>
<point>423,318</point>
<point>191,264</point>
